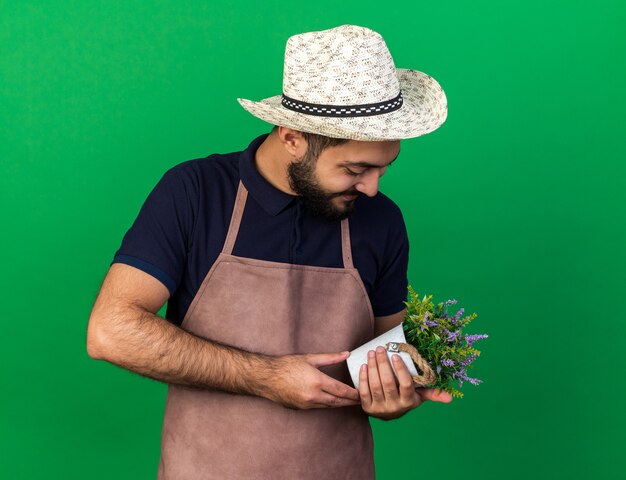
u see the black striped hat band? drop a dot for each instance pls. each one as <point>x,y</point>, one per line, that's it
<point>343,110</point>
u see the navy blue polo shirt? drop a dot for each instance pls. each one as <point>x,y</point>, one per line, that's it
<point>182,225</point>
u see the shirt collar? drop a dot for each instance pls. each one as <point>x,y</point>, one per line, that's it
<point>271,199</point>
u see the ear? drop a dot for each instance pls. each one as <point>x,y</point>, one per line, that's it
<point>292,141</point>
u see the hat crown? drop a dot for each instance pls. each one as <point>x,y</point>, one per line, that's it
<point>346,65</point>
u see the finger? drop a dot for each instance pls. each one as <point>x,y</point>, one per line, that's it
<point>324,359</point>
<point>364,389</point>
<point>326,400</point>
<point>435,395</point>
<point>376,388</point>
<point>337,389</point>
<point>387,377</point>
<point>405,381</point>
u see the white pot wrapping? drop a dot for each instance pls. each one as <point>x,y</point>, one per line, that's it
<point>359,356</point>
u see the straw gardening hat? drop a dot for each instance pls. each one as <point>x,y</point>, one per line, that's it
<point>343,83</point>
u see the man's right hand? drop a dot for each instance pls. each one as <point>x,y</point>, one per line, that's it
<point>296,382</point>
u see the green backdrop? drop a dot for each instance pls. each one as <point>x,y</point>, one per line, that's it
<point>515,207</point>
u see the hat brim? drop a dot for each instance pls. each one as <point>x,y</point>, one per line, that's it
<point>424,109</point>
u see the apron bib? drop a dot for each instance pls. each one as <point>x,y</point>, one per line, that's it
<point>277,309</point>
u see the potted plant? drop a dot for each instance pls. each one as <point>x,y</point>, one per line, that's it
<point>430,342</point>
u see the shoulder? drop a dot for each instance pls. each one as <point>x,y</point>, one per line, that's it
<point>212,168</point>
<point>186,187</point>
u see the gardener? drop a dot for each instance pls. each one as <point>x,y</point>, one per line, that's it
<point>264,275</point>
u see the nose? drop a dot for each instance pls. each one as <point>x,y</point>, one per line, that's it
<point>368,184</point>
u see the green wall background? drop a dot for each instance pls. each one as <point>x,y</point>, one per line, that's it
<point>515,207</point>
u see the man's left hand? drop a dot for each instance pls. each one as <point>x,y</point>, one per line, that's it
<point>382,397</point>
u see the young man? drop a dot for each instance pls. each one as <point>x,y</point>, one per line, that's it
<point>275,261</point>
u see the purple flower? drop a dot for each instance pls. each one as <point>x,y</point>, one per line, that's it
<point>427,322</point>
<point>470,339</point>
<point>459,375</point>
<point>465,362</point>
<point>452,336</point>
<point>457,316</point>
<point>451,302</point>
<point>447,362</point>
<point>473,381</point>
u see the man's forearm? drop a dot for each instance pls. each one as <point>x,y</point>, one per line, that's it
<point>147,344</point>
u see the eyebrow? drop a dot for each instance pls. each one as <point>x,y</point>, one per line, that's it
<point>367,164</point>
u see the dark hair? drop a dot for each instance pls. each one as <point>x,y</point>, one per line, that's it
<point>318,143</point>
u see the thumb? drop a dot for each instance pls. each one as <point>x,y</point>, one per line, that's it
<point>323,359</point>
<point>435,395</point>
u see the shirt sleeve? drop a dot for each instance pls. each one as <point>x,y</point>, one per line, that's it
<point>391,286</point>
<point>158,240</point>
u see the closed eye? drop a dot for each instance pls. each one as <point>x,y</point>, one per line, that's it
<point>353,173</point>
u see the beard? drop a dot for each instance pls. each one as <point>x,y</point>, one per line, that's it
<point>316,200</point>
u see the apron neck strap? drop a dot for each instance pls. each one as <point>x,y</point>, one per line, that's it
<point>235,222</point>
<point>346,249</point>
<point>235,219</point>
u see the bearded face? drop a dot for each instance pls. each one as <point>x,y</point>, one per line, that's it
<point>304,181</point>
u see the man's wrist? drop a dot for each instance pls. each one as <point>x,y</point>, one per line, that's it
<point>250,372</point>
<point>262,376</point>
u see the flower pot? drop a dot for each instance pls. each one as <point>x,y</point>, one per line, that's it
<point>359,356</point>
